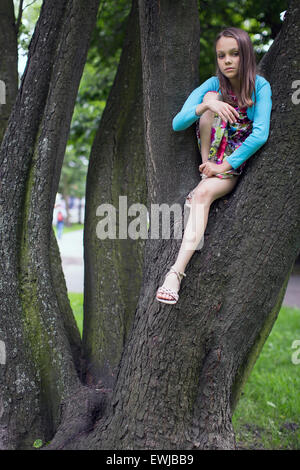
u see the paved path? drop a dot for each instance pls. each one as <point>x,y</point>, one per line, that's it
<point>71,249</point>
<point>292,295</point>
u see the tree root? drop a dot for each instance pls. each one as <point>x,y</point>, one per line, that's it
<point>79,414</point>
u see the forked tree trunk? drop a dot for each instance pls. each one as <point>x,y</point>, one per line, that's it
<point>39,340</point>
<point>183,366</point>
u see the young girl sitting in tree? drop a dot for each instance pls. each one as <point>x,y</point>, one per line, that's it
<point>234,108</point>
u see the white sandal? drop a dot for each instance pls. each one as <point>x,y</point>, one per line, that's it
<point>166,290</point>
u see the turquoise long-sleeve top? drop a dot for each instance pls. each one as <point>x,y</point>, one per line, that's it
<point>259,113</point>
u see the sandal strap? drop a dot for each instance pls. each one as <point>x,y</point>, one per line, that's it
<point>179,274</point>
<point>166,290</point>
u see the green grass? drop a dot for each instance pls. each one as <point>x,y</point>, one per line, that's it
<point>268,413</point>
<point>76,301</point>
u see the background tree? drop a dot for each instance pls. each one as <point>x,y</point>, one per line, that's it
<point>39,338</point>
<point>113,268</point>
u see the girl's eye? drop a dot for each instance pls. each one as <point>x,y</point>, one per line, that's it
<point>222,57</point>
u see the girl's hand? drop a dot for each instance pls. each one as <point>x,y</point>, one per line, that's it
<point>224,110</point>
<point>209,169</point>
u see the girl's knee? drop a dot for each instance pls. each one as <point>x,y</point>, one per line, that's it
<point>212,95</point>
<point>202,194</point>
<point>208,115</point>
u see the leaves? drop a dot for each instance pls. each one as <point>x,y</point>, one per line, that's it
<point>38,443</point>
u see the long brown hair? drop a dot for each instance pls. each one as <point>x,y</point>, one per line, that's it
<point>247,68</point>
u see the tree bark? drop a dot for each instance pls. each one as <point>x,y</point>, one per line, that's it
<point>113,267</point>
<point>183,366</point>
<point>170,51</point>
<point>8,63</point>
<point>39,339</point>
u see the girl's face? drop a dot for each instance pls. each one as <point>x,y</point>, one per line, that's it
<point>228,57</point>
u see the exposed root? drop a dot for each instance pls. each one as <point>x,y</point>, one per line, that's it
<point>79,414</point>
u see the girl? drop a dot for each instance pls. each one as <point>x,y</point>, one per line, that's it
<point>234,108</point>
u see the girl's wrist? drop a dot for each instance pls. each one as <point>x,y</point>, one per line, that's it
<point>225,166</point>
<point>200,109</point>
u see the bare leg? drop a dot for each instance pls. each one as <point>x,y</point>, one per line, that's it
<point>207,191</point>
<point>205,125</point>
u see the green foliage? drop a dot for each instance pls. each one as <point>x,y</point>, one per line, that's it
<point>260,18</point>
<point>38,443</point>
<point>30,14</point>
<point>108,36</point>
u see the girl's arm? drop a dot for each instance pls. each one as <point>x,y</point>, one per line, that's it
<point>260,129</point>
<point>187,116</point>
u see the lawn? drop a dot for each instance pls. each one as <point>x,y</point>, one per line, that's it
<point>76,300</point>
<point>268,413</point>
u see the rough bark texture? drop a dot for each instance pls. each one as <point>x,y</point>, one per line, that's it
<point>8,62</point>
<point>183,366</point>
<point>170,55</point>
<point>39,338</point>
<point>113,267</point>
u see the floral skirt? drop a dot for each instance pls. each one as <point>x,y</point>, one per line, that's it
<point>226,138</point>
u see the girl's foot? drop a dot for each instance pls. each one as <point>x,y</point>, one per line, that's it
<point>168,292</point>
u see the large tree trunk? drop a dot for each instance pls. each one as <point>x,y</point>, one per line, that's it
<point>8,62</point>
<point>113,267</point>
<point>40,342</point>
<point>183,366</point>
<point>170,51</point>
